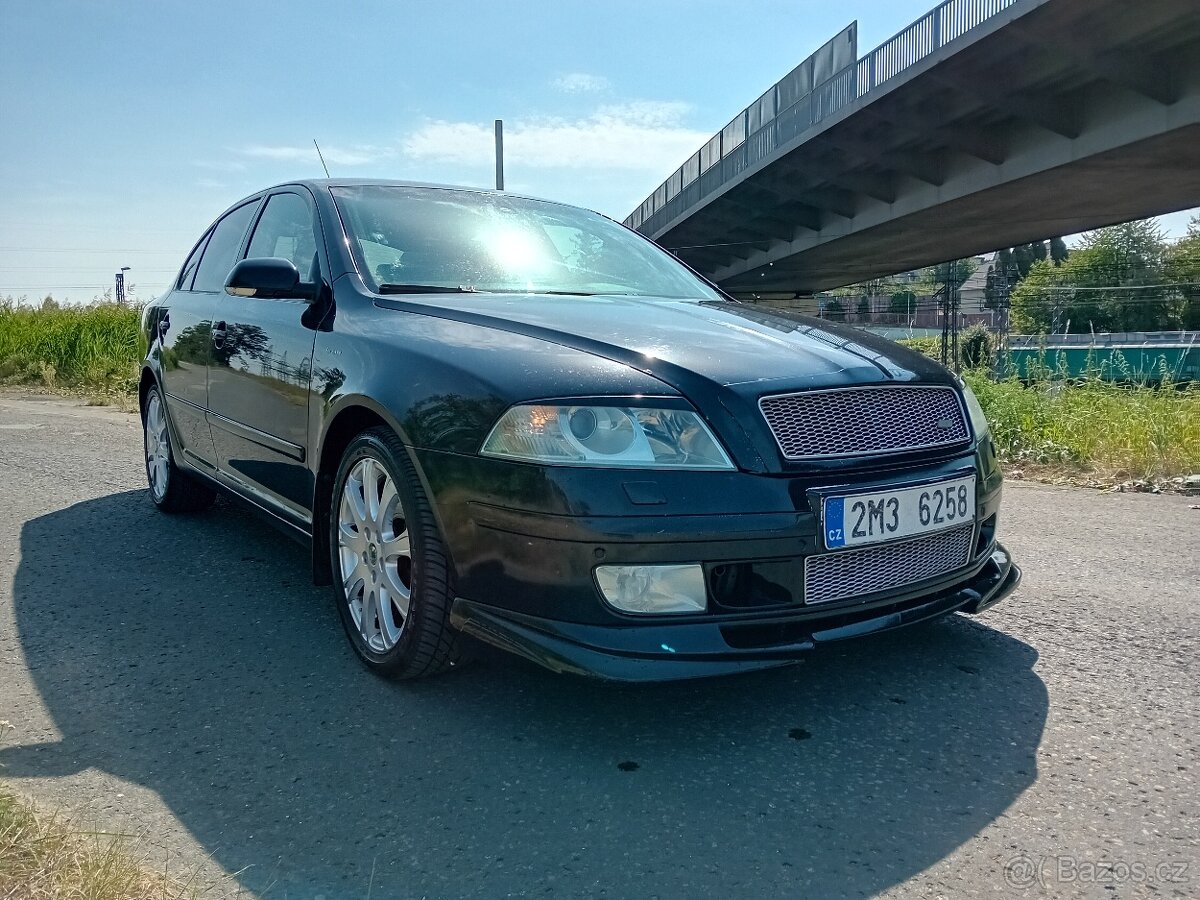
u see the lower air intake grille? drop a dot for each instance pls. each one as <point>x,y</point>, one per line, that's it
<point>857,573</point>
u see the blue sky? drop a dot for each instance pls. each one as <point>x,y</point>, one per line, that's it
<point>125,128</point>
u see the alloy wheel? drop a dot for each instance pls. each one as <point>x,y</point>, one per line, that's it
<point>374,554</point>
<point>158,448</point>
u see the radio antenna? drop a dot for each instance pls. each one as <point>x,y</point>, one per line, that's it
<point>321,158</point>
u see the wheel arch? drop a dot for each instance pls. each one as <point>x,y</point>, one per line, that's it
<point>351,417</point>
<point>148,378</point>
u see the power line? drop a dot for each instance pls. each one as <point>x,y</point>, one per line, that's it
<point>1129,287</point>
<point>4,268</point>
<point>105,228</point>
<point>82,250</point>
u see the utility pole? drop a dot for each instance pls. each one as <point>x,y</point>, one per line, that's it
<point>499,154</point>
<point>952,270</point>
<point>949,303</point>
<point>1004,283</point>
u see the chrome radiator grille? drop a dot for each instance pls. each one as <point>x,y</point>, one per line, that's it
<point>865,421</point>
<point>856,573</point>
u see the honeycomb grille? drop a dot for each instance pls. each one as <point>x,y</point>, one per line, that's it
<point>857,573</point>
<point>865,421</point>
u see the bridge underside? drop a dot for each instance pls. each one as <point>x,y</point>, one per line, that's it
<point>1061,117</point>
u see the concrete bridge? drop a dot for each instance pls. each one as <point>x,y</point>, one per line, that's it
<point>986,123</point>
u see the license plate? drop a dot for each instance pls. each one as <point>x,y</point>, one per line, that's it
<point>855,519</point>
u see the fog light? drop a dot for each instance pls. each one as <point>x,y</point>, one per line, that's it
<point>653,589</point>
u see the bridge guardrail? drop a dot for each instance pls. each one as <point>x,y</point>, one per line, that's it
<point>814,93</point>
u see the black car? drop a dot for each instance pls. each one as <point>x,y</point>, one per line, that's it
<point>517,420</point>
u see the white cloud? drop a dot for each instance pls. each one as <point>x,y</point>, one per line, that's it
<point>359,155</point>
<point>651,113</point>
<point>639,136</point>
<point>581,83</point>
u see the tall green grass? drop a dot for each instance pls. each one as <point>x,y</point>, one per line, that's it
<point>94,348</point>
<point>1112,421</point>
<point>1145,431</point>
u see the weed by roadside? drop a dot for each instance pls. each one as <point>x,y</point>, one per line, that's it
<point>94,350</point>
<point>47,856</point>
<point>1089,430</point>
<point>1115,432</point>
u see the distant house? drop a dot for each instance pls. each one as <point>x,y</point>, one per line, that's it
<point>972,294</point>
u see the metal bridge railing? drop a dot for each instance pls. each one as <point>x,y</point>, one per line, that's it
<point>757,131</point>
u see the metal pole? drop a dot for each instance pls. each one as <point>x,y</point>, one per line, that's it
<point>120,298</point>
<point>499,154</point>
<point>944,307</point>
<point>955,313</point>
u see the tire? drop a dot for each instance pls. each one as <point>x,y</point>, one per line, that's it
<point>390,570</point>
<point>172,490</point>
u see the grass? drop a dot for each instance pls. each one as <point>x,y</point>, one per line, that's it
<point>46,856</point>
<point>1116,432</point>
<point>94,350</point>
<point>1050,424</point>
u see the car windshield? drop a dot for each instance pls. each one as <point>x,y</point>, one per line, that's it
<point>442,240</point>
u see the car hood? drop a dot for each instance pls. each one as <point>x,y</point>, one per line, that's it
<point>743,347</point>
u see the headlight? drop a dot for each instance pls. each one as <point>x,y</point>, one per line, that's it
<point>594,435</point>
<point>979,423</point>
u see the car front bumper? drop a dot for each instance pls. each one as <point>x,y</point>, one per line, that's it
<point>668,651</point>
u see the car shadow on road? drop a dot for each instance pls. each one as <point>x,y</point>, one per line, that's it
<point>191,656</point>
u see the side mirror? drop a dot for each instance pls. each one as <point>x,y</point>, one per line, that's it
<point>270,278</point>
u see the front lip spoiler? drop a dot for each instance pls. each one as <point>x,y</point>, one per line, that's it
<point>698,650</point>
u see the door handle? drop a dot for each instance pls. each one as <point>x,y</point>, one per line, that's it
<point>218,334</point>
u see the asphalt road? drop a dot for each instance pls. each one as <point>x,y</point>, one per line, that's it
<point>179,678</point>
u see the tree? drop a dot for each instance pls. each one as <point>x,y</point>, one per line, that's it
<point>835,311</point>
<point>1004,263</point>
<point>1023,259</point>
<point>1058,251</point>
<point>1114,281</point>
<point>1038,248</point>
<point>1182,265</point>
<point>932,279</point>
<point>976,345</point>
<point>903,303</point>
<point>874,287</point>
<point>864,310</point>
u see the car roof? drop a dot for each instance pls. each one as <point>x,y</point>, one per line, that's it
<point>326,183</point>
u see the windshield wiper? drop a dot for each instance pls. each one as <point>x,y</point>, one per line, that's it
<point>469,289</point>
<point>425,289</point>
